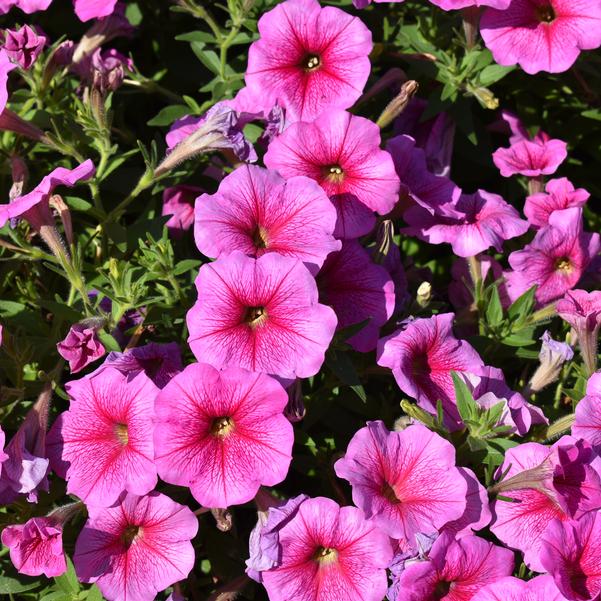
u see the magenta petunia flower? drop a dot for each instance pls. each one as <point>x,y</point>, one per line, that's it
<point>34,207</point>
<point>178,202</point>
<point>358,290</point>
<point>36,547</point>
<point>457,4</point>
<point>137,548</point>
<point>3,455</point>
<point>560,194</point>
<point>422,356</point>
<point>541,588</point>
<point>260,314</point>
<point>545,483</point>
<point>342,153</point>
<point>542,35</point>
<point>471,225</point>
<point>582,310</point>
<point>103,444</point>
<point>222,433</point>
<point>6,66</point>
<point>454,571</point>
<point>328,552</point>
<point>309,58</point>
<point>80,347</point>
<point>256,211</point>
<point>531,158</point>
<point>94,9</point>
<point>555,260</point>
<point>160,362</point>
<point>587,424</point>
<point>24,45</point>
<point>405,482</point>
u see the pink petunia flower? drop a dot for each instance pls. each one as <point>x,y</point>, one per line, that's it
<point>36,547</point>
<point>260,314</point>
<point>555,260</point>
<point>6,66</point>
<point>421,358</point>
<point>471,225</point>
<point>329,552</point>
<point>94,9</point>
<point>541,588</point>
<point>531,158</point>
<point>137,548</point>
<point>342,153</point>
<point>544,483</point>
<point>358,290</point>
<point>3,455</point>
<point>571,554</point>
<point>309,58</point>
<point>458,4</point>
<point>582,310</point>
<point>560,194</point>
<point>178,201</point>
<point>222,433</point>
<point>587,424</point>
<point>542,35</point>
<point>405,482</point>
<point>103,444</point>
<point>454,571</point>
<point>34,207</point>
<point>80,347</point>
<point>256,211</point>
<point>24,45</point>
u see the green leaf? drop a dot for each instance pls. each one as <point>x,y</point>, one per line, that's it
<point>208,58</point>
<point>494,309</point>
<point>109,343</point>
<point>342,366</point>
<point>78,204</point>
<point>94,594</point>
<point>12,586</point>
<point>523,337</point>
<point>68,582</point>
<point>523,306</point>
<point>169,114</point>
<point>195,36</point>
<point>186,265</point>
<point>494,73</point>
<point>465,401</point>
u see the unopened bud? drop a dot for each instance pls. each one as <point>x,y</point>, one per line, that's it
<point>424,294</point>
<point>553,354</point>
<point>398,104</point>
<point>223,518</point>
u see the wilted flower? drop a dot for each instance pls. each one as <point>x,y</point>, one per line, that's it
<point>222,433</point>
<point>560,194</point>
<point>405,482</point>
<point>260,314</point>
<point>81,346</point>
<point>136,548</point>
<point>342,153</point>
<point>103,444</point>
<point>108,69</point>
<point>24,45</point>
<point>309,58</point>
<point>178,201</point>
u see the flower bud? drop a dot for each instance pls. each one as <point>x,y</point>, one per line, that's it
<point>552,356</point>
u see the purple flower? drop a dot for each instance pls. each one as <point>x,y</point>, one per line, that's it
<point>108,69</point>
<point>24,45</point>
<point>81,346</point>
<point>178,202</point>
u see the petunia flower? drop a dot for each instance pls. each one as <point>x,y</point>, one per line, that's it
<point>103,444</point>
<point>358,290</point>
<point>454,571</point>
<point>178,203</point>
<point>160,362</point>
<point>3,455</point>
<point>405,482</point>
<point>24,45</point>
<point>541,35</point>
<point>329,552</point>
<point>555,260</point>
<point>471,225</point>
<point>552,356</point>
<point>81,346</point>
<point>587,423</point>
<point>137,548</point>
<point>582,310</point>
<point>570,552</point>
<point>531,158</point>
<point>36,547</point>
<point>540,484</point>
<point>309,58</point>
<point>256,211</point>
<point>422,356</point>
<point>342,153</point>
<point>222,433</point>
<point>559,194</point>
<point>84,9</point>
<point>541,588</point>
<point>260,314</point>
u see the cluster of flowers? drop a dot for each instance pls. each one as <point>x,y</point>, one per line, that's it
<point>288,271</point>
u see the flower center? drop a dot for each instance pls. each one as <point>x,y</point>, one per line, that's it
<point>545,14</point>
<point>563,264</point>
<point>121,433</point>
<point>222,426</point>
<point>259,237</point>
<point>312,62</point>
<point>130,534</point>
<point>325,555</point>
<point>333,173</point>
<point>389,494</point>
<point>255,316</point>
<point>442,589</point>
